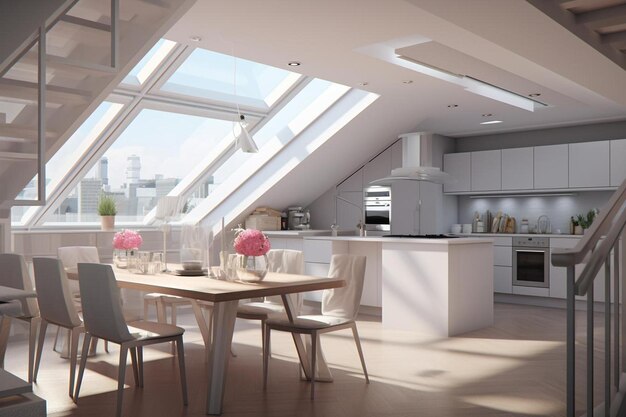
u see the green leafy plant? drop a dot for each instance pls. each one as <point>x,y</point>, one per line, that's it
<point>107,206</point>
<point>574,221</point>
<point>585,220</point>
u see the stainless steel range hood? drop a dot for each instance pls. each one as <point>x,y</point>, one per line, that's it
<point>417,162</point>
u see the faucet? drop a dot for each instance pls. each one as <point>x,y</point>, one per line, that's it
<point>361,224</point>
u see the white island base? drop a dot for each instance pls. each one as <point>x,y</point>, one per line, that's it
<point>443,289</point>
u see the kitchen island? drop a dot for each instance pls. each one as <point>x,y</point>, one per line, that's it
<point>439,287</point>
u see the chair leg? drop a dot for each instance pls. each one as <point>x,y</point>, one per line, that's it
<point>32,344</point>
<point>161,313</point>
<point>83,362</point>
<point>106,346</point>
<point>140,360</point>
<point>73,357</point>
<point>133,360</point>
<point>5,330</point>
<point>173,321</point>
<point>121,373</point>
<point>264,346</point>
<point>145,308</point>
<point>357,340</point>
<point>266,335</point>
<point>43,325</point>
<point>181,365</point>
<point>93,346</point>
<point>314,341</point>
<point>56,339</point>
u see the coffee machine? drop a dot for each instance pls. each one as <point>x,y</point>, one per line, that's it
<point>298,218</point>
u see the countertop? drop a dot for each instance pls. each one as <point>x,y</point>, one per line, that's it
<point>452,241</point>
<point>548,235</point>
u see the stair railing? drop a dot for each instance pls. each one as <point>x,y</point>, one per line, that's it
<point>597,246</point>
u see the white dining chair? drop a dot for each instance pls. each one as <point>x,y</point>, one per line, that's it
<point>103,318</point>
<point>70,256</point>
<point>56,307</point>
<point>14,274</point>
<point>280,260</point>
<point>340,307</point>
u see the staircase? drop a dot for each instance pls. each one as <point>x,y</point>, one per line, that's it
<point>59,59</point>
<point>596,356</point>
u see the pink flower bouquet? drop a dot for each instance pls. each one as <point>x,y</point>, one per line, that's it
<point>127,240</point>
<point>251,242</point>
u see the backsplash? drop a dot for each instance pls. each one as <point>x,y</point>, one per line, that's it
<point>559,208</point>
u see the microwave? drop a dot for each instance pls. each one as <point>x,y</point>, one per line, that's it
<point>377,208</point>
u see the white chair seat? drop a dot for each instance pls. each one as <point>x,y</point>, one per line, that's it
<point>309,322</point>
<point>152,330</point>
<point>260,309</point>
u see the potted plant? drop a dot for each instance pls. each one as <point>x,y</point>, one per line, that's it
<point>107,210</point>
<point>584,221</point>
<point>252,244</point>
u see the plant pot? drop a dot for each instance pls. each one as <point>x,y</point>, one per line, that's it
<point>107,222</point>
<point>578,230</point>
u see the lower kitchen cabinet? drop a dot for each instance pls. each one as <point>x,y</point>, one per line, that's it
<point>319,269</point>
<point>503,279</point>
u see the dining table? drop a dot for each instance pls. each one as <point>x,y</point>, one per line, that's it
<point>225,296</point>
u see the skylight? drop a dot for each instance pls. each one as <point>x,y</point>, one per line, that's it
<point>211,75</point>
<point>140,73</point>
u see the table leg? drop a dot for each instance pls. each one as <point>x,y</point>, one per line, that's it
<point>303,346</point>
<point>224,315</point>
<point>5,329</point>
<point>204,330</point>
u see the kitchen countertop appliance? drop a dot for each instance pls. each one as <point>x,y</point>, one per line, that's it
<point>377,208</point>
<point>298,218</point>
<point>531,262</point>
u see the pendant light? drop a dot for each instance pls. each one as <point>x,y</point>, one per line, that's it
<point>243,140</point>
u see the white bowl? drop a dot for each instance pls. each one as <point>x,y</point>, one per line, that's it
<point>455,229</point>
<point>192,265</point>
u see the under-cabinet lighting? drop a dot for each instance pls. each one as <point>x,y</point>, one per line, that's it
<point>522,195</point>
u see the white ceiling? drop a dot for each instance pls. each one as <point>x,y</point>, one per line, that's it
<point>507,43</point>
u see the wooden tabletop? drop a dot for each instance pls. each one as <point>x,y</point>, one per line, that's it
<point>209,289</point>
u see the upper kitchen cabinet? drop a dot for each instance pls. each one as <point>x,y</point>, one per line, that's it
<point>486,170</point>
<point>589,164</point>
<point>551,166</point>
<point>377,168</point>
<point>618,162</point>
<point>352,183</point>
<point>458,165</point>
<point>517,169</point>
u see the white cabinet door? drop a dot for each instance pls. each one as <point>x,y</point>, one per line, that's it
<point>502,256</point>
<point>503,279</point>
<point>294,243</point>
<point>458,165</point>
<point>589,164</point>
<point>486,170</point>
<point>318,251</point>
<point>404,207</point>
<point>551,166</point>
<point>377,168</point>
<point>396,155</point>
<point>352,183</point>
<point>517,169</point>
<point>618,162</point>
<point>348,216</point>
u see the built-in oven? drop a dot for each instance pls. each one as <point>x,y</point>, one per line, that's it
<point>377,208</point>
<point>531,262</point>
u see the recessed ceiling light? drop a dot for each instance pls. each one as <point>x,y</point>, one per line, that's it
<point>453,105</point>
<point>294,63</point>
<point>408,81</point>
<point>363,83</point>
<point>534,95</point>
<point>487,114</point>
<point>491,122</point>
<point>195,38</point>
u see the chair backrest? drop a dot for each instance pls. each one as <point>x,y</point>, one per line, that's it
<point>344,302</point>
<point>70,256</point>
<point>286,261</point>
<point>100,298</point>
<point>53,293</point>
<point>14,274</point>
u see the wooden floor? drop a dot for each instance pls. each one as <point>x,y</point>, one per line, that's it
<point>516,367</point>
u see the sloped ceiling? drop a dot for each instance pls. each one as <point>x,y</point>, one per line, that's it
<point>511,44</point>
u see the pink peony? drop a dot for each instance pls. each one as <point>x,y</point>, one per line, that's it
<point>251,242</point>
<point>127,240</point>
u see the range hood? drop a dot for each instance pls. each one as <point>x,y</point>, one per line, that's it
<point>417,162</point>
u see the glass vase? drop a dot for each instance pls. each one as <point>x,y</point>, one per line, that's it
<point>123,259</point>
<point>252,268</point>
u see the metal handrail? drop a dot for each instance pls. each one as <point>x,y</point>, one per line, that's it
<point>611,219</point>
